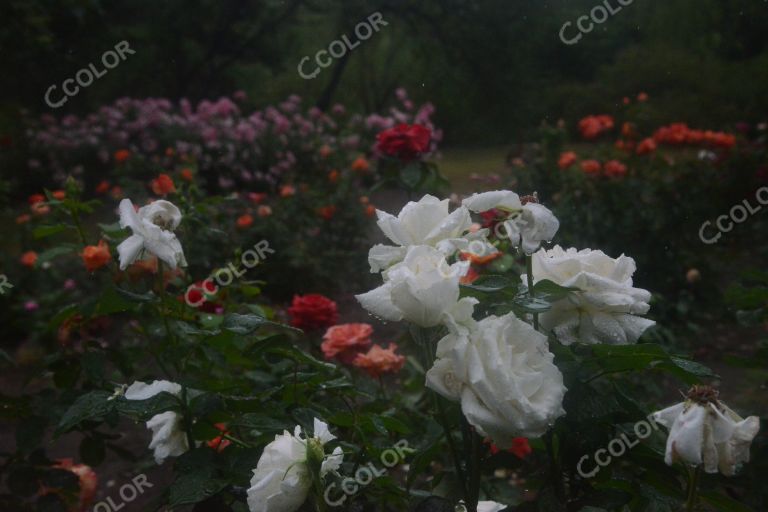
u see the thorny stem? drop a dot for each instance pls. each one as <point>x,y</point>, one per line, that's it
<point>556,474</point>
<point>473,449</point>
<point>78,225</point>
<point>422,338</point>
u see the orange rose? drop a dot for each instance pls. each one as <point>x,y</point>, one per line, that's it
<point>642,97</point>
<point>325,151</point>
<point>360,165</point>
<point>646,146</point>
<point>364,200</point>
<point>96,256</point>
<point>122,155</point>
<point>344,342</point>
<point>35,198</point>
<point>333,176</point>
<point>244,221</point>
<point>28,259</point>
<point>186,175</point>
<point>380,360</point>
<point>566,160</point>
<point>370,210</point>
<point>218,443</point>
<point>591,167</point>
<point>103,187</point>
<point>59,195</point>
<point>264,210</point>
<point>287,191</point>
<point>477,259</point>
<point>615,169</point>
<point>327,212</point>
<point>470,277</point>
<point>163,185</point>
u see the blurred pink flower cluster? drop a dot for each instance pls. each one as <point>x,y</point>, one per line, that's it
<point>225,143</point>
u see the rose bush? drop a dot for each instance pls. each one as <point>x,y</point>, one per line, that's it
<point>505,362</point>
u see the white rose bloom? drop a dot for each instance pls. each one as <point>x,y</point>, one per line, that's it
<point>152,229</point>
<point>527,226</point>
<point>503,374</point>
<point>282,479</point>
<point>606,307</point>
<point>423,289</point>
<point>489,506</point>
<point>707,432</point>
<point>426,222</point>
<point>168,436</point>
<point>485,506</point>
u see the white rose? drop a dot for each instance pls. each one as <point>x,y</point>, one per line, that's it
<point>152,229</point>
<point>503,374</point>
<point>423,289</point>
<point>484,506</point>
<point>426,222</point>
<point>489,506</point>
<point>706,431</point>
<point>282,478</point>
<point>606,307</point>
<point>168,436</point>
<point>527,225</point>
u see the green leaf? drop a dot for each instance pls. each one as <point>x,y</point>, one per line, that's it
<point>490,283</point>
<point>551,290</point>
<point>113,302</point>
<point>411,175</point>
<point>137,297</point>
<point>194,487</point>
<point>722,502</point>
<point>90,406</point>
<point>48,230</point>
<point>53,253</point>
<point>246,324</point>
<point>143,410</point>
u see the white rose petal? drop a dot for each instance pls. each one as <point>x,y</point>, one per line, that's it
<point>152,229</point>
<point>426,222</point>
<point>422,289</point>
<point>504,375</point>
<point>707,433</point>
<point>606,307</point>
<point>282,479</point>
<point>499,199</point>
<point>168,436</point>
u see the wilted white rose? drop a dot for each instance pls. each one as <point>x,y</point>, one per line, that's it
<point>703,430</point>
<point>152,228</point>
<point>426,222</point>
<point>283,476</point>
<point>525,225</point>
<point>422,289</point>
<point>606,308</point>
<point>503,373</point>
<point>168,436</point>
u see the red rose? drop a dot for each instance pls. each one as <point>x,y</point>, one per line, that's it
<point>404,141</point>
<point>313,311</point>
